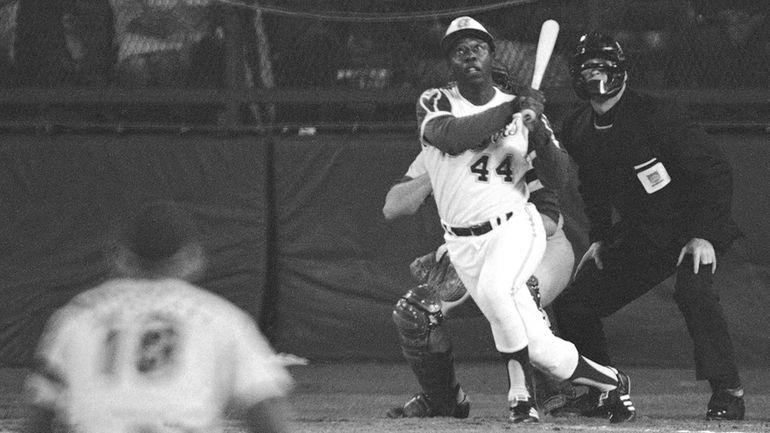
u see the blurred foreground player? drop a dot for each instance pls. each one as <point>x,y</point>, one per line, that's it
<point>149,352</point>
<point>657,192</point>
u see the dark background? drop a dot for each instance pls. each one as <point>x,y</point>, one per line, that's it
<point>281,129</point>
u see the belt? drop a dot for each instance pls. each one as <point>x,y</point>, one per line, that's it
<point>478,229</point>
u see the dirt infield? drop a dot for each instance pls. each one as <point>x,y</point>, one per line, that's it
<point>353,397</point>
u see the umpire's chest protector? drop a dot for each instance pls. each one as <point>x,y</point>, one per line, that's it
<point>627,164</point>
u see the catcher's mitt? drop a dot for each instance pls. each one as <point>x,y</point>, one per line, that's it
<point>436,271</point>
<point>421,267</point>
<point>445,280</point>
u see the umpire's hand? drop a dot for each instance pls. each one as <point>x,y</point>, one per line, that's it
<point>702,252</point>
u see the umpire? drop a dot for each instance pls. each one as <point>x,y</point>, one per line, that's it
<point>657,193</point>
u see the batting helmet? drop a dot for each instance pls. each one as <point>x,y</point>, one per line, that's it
<point>464,27</point>
<point>613,62</point>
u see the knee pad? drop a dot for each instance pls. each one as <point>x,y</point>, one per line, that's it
<point>426,346</point>
<point>418,319</point>
<point>533,284</point>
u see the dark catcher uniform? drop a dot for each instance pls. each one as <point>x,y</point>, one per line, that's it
<point>667,182</point>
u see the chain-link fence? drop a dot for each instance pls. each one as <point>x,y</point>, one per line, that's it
<point>345,45</point>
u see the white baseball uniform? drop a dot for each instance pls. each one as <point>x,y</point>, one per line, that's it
<point>156,356</point>
<point>487,185</point>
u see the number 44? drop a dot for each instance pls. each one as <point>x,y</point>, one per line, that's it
<point>504,169</point>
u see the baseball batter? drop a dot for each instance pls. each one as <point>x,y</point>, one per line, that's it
<point>151,353</point>
<point>420,313</point>
<point>476,148</point>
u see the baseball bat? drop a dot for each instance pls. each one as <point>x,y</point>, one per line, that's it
<point>548,34</point>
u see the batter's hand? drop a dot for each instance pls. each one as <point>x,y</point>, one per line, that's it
<point>593,253</point>
<point>702,252</point>
<point>534,100</point>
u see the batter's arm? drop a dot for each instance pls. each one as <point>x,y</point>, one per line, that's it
<point>406,197</point>
<point>454,135</point>
<point>553,162</point>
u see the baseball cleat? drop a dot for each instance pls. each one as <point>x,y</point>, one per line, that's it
<point>524,412</point>
<point>724,406</point>
<point>421,405</point>
<point>579,401</point>
<point>618,402</point>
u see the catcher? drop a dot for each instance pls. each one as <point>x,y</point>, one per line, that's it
<point>418,314</point>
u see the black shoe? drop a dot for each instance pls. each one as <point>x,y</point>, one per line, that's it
<point>422,405</point>
<point>617,402</point>
<point>724,406</point>
<point>575,400</point>
<point>462,406</point>
<point>524,412</point>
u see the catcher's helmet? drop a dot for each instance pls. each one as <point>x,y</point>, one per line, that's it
<point>613,62</point>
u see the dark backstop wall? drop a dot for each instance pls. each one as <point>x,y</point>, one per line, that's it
<point>295,235</point>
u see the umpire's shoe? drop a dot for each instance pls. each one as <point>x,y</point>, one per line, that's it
<point>725,406</point>
<point>422,405</point>
<point>524,412</point>
<point>617,402</point>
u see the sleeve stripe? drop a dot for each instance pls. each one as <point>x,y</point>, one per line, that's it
<point>550,131</point>
<point>433,103</point>
<point>530,175</point>
<point>535,185</point>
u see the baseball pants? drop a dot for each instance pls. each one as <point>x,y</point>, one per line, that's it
<point>489,266</point>
<point>633,265</point>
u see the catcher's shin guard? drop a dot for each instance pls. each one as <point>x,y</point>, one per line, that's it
<point>417,316</point>
<point>533,284</point>
<point>428,352</point>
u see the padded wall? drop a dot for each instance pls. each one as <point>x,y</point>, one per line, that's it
<point>61,194</point>
<point>336,266</point>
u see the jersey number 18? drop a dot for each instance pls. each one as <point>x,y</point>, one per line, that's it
<point>156,351</point>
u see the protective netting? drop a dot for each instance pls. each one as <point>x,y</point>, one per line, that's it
<point>344,44</point>
<point>156,39</point>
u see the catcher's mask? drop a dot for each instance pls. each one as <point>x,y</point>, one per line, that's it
<point>600,52</point>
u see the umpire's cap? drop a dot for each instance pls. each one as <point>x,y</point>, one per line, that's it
<point>464,27</point>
